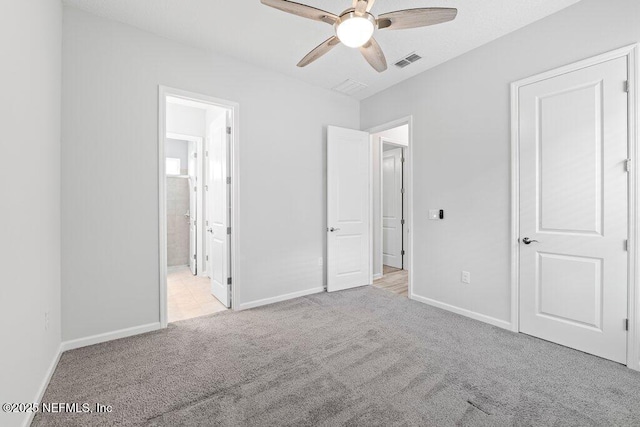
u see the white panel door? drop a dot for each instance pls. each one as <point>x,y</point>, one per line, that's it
<point>219,208</point>
<point>348,208</point>
<point>192,170</point>
<point>392,208</point>
<point>573,209</point>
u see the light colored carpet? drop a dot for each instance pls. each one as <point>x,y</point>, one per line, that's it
<point>361,357</point>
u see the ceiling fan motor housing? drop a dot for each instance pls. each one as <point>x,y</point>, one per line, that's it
<point>355,29</point>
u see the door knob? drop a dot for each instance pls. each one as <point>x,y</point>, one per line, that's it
<point>210,230</point>
<point>528,241</point>
<point>333,229</point>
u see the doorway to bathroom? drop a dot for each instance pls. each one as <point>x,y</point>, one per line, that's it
<point>196,148</point>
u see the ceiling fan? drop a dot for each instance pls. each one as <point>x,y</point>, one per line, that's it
<point>355,26</point>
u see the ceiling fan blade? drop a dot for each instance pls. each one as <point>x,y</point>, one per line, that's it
<point>374,56</point>
<point>412,18</point>
<point>370,5</point>
<point>302,10</point>
<point>363,6</point>
<point>320,50</point>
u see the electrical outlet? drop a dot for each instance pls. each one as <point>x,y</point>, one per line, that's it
<point>46,320</point>
<point>320,262</point>
<point>466,277</point>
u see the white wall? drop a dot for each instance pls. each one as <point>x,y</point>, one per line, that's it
<point>399,135</point>
<point>186,120</point>
<point>109,220</point>
<point>461,147</point>
<point>178,150</point>
<point>30,42</point>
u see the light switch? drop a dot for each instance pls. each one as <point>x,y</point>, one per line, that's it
<point>434,214</point>
<point>466,277</point>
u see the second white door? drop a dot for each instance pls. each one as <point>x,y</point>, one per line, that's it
<point>392,207</point>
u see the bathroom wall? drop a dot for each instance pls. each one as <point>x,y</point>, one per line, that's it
<point>177,223</point>
<point>178,150</point>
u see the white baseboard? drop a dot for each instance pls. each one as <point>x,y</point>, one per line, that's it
<point>109,336</point>
<point>463,311</point>
<point>377,276</point>
<point>260,302</point>
<point>44,385</point>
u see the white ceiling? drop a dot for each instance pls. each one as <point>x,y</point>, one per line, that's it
<point>252,32</point>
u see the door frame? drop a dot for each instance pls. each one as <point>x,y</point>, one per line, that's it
<point>234,166</point>
<point>633,309</point>
<point>198,140</point>
<point>408,185</point>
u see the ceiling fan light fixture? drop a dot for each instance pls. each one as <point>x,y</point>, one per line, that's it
<point>353,30</point>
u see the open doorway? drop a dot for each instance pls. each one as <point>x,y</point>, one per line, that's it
<point>390,243</point>
<point>196,147</point>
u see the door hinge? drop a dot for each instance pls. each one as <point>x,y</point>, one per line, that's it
<point>626,245</point>
<point>195,188</point>
<point>206,154</point>
<point>627,86</point>
<point>228,130</point>
<point>401,159</point>
<point>194,256</point>
<point>228,280</point>
<point>228,180</point>
<point>402,252</point>
<point>402,191</point>
<point>206,258</point>
<point>228,230</point>
<point>627,165</point>
<point>626,324</point>
<point>402,222</point>
<point>195,155</point>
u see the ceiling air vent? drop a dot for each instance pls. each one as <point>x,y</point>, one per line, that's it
<point>350,87</point>
<point>408,60</point>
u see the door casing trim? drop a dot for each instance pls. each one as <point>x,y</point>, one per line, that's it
<point>633,309</point>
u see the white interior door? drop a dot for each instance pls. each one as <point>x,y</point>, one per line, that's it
<point>193,206</point>
<point>219,208</point>
<point>392,207</point>
<point>573,209</point>
<point>348,209</point>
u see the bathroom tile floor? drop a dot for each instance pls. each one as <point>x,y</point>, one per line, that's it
<point>189,296</point>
